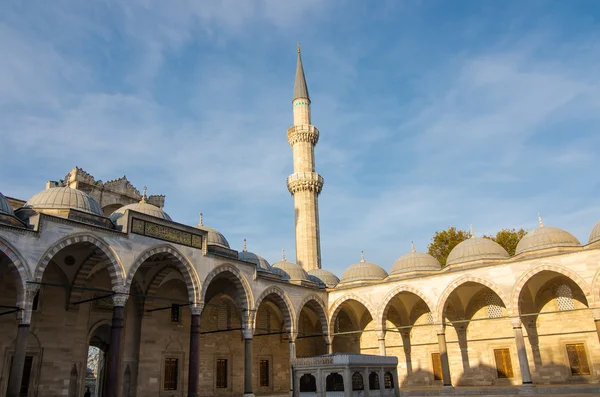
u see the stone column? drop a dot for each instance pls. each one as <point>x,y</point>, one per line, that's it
<point>329,344</point>
<point>381,382</point>
<point>521,352</point>
<point>292,358</point>
<point>381,340</point>
<point>248,334</point>
<point>444,356</point>
<point>194,367</point>
<point>114,351</point>
<point>347,383</point>
<point>366,384</point>
<point>15,377</point>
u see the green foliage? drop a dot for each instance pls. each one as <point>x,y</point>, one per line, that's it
<point>443,242</point>
<point>508,238</point>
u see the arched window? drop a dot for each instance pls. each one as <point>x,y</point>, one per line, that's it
<point>564,298</point>
<point>357,382</point>
<point>388,380</point>
<point>494,305</point>
<point>334,382</point>
<point>373,381</point>
<point>308,384</point>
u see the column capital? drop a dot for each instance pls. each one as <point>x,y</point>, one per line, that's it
<point>441,329</point>
<point>119,299</point>
<point>381,334</point>
<point>293,335</point>
<point>248,332</point>
<point>196,309</point>
<point>595,313</point>
<point>516,322</point>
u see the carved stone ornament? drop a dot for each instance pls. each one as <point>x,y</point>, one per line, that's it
<point>303,133</point>
<point>120,299</point>
<point>516,322</point>
<point>305,181</point>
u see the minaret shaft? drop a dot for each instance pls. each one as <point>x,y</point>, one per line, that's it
<point>305,184</point>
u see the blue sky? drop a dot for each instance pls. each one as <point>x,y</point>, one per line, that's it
<point>432,113</point>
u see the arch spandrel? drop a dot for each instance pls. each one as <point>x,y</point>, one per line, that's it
<point>182,263</point>
<point>385,306</point>
<point>337,306</point>
<point>289,314</point>
<point>238,279</point>
<point>574,277</point>
<point>454,285</point>
<point>114,267</point>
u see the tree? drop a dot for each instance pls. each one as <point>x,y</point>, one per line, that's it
<point>443,242</point>
<point>508,238</point>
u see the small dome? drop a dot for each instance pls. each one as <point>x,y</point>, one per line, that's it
<point>546,237</point>
<point>476,248</point>
<point>325,277</point>
<point>5,207</point>
<point>363,271</point>
<point>62,198</point>
<point>290,271</point>
<point>143,207</point>
<point>214,237</point>
<point>414,262</point>
<point>251,257</point>
<point>595,234</point>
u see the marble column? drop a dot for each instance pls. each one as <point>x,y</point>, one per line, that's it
<point>114,351</point>
<point>194,367</point>
<point>248,334</point>
<point>444,356</point>
<point>381,340</point>
<point>292,358</point>
<point>521,352</point>
<point>15,377</point>
<point>366,384</point>
<point>347,383</point>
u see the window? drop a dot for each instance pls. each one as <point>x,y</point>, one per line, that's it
<point>308,384</point>
<point>388,380</point>
<point>175,310</point>
<point>494,305</point>
<point>357,382</point>
<point>334,382</point>
<point>578,359</point>
<point>503,364</point>
<point>564,298</point>
<point>221,373</point>
<point>373,381</point>
<point>171,372</point>
<point>436,363</point>
<point>36,301</point>
<point>264,373</point>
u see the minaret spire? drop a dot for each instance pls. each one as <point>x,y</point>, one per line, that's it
<point>305,184</point>
<point>300,87</point>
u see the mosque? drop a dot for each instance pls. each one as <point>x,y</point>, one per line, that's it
<point>175,311</point>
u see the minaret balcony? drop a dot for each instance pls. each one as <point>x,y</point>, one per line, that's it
<point>303,133</point>
<point>305,181</point>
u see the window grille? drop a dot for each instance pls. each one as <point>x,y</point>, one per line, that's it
<point>578,359</point>
<point>308,383</point>
<point>221,373</point>
<point>388,380</point>
<point>503,363</point>
<point>429,318</point>
<point>175,311</point>
<point>436,363</point>
<point>494,305</point>
<point>264,373</point>
<point>171,372</point>
<point>564,298</point>
<point>357,382</point>
<point>334,382</point>
<point>373,381</point>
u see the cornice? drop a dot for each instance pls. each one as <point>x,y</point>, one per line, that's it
<point>305,181</point>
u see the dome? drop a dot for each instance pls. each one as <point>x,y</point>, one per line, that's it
<point>143,207</point>
<point>5,207</point>
<point>251,257</point>
<point>322,276</point>
<point>290,271</point>
<point>62,198</point>
<point>546,237</point>
<point>214,237</point>
<point>414,262</point>
<point>363,271</point>
<point>595,234</point>
<point>476,248</point>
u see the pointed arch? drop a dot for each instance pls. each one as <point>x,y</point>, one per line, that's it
<point>385,306</point>
<point>238,280</point>
<point>573,276</point>
<point>114,267</point>
<point>337,306</point>
<point>182,264</point>
<point>22,268</point>
<point>468,279</point>
<point>317,303</point>
<point>284,300</point>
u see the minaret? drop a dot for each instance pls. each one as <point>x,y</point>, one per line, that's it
<point>305,184</point>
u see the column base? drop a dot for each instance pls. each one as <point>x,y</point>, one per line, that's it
<point>248,395</point>
<point>447,390</point>
<point>527,388</point>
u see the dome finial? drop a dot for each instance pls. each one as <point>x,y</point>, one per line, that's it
<point>200,223</point>
<point>540,219</point>
<point>412,243</point>
<point>283,255</point>
<point>471,232</point>
<point>245,245</point>
<point>298,47</point>
<point>144,198</point>
<point>362,256</point>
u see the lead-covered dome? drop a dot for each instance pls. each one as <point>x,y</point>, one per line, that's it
<point>363,271</point>
<point>546,237</point>
<point>476,248</point>
<point>325,277</point>
<point>214,236</point>
<point>143,207</point>
<point>64,198</point>
<point>5,207</point>
<point>595,234</point>
<point>415,262</point>
<point>251,257</point>
<point>290,271</point>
